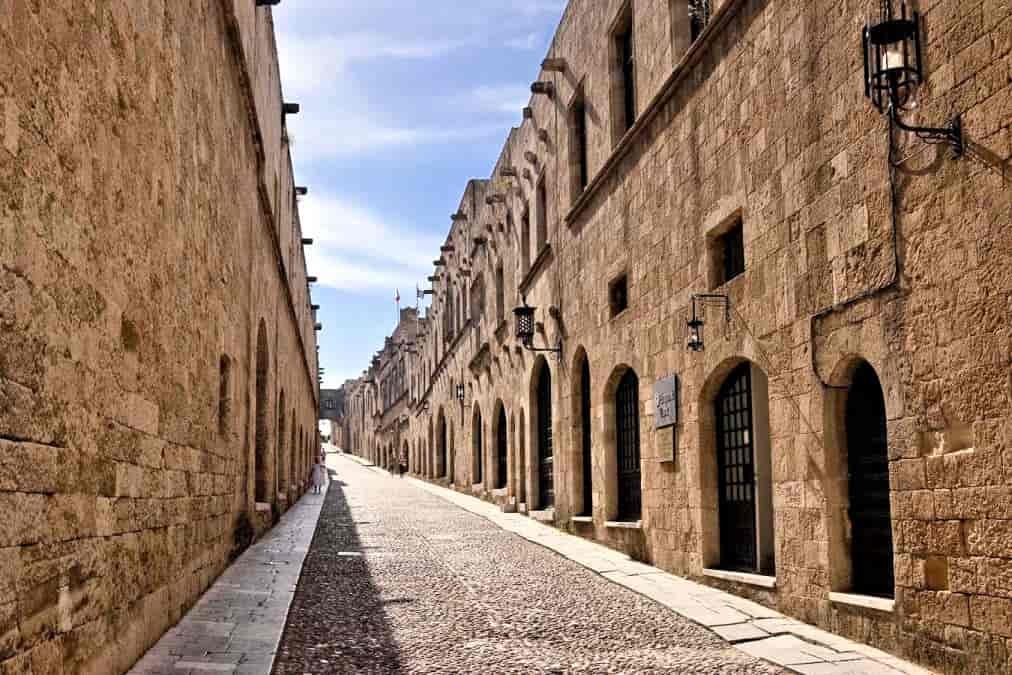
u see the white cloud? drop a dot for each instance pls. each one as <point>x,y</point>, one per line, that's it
<point>525,42</point>
<point>500,98</point>
<point>356,250</point>
<point>309,63</point>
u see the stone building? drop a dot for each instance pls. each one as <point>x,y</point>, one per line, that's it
<point>842,437</point>
<point>378,405</point>
<point>158,388</point>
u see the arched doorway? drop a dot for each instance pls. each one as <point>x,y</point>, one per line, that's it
<point>627,427</point>
<point>477,449</point>
<point>745,514</point>
<point>543,436</point>
<point>586,448</point>
<point>279,457</point>
<point>442,450</point>
<point>871,546</point>
<point>260,468</point>
<point>501,449</point>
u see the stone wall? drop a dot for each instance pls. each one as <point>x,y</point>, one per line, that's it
<point>763,118</point>
<point>149,239</point>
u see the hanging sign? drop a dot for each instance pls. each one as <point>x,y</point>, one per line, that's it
<point>666,402</point>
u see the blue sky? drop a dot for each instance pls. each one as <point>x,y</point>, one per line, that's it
<point>402,101</point>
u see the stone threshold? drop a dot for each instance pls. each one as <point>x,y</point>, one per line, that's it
<point>760,580</point>
<point>748,626</point>
<point>624,524</point>
<point>864,601</point>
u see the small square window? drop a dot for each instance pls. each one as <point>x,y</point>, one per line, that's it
<point>727,252</point>
<point>618,295</point>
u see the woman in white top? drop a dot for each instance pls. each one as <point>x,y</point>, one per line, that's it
<point>319,477</point>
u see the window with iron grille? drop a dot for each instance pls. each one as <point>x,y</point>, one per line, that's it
<point>699,17</point>
<point>627,422</point>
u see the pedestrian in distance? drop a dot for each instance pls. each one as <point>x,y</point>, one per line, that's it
<point>319,477</point>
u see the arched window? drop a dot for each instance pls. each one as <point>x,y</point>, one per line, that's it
<point>627,426</point>
<point>478,450</point>
<point>501,449</point>
<point>871,545</point>
<point>261,483</point>
<point>224,394</point>
<point>546,458</point>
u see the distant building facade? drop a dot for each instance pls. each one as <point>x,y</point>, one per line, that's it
<point>835,442</point>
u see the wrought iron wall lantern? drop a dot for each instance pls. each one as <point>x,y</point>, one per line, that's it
<point>525,330</point>
<point>893,69</point>
<point>460,392</point>
<point>696,323</point>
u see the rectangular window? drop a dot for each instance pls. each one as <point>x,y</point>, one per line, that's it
<point>525,241</point>
<point>542,215</point>
<point>624,96</point>
<point>728,252</point>
<point>618,295</point>
<point>581,172</point>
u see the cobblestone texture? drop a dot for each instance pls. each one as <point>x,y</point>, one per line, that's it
<point>398,580</point>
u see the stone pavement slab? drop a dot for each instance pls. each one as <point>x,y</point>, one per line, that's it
<point>236,625</point>
<point>750,627</point>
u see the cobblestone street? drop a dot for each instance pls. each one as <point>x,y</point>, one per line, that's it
<point>399,580</point>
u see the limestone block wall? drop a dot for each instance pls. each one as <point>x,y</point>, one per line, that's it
<point>143,256</point>
<point>762,118</point>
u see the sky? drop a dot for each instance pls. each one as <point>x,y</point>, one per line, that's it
<point>403,101</point>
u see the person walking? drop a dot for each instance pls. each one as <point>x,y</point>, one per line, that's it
<point>319,477</point>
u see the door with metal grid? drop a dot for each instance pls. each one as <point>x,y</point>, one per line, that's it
<point>478,450</point>
<point>736,472</point>
<point>868,486</point>
<point>501,450</point>
<point>546,460</point>
<point>627,422</point>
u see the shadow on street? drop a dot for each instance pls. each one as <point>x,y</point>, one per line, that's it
<point>337,623</point>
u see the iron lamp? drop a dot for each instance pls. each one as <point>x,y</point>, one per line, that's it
<point>893,69</point>
<point>695,324</point>
<point>460,392</point>
<point>525,330</point>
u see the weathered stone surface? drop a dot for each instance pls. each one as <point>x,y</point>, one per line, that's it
<point>142,252</point>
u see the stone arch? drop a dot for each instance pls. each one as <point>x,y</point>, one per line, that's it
<point>856,485</point>
<point>261,469</point>
<point>728,459</point>
<point>477,447</point>
<point>542,435</point>
<point>582,437</point>
<point>499,468</point>
<point>622,463</point>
